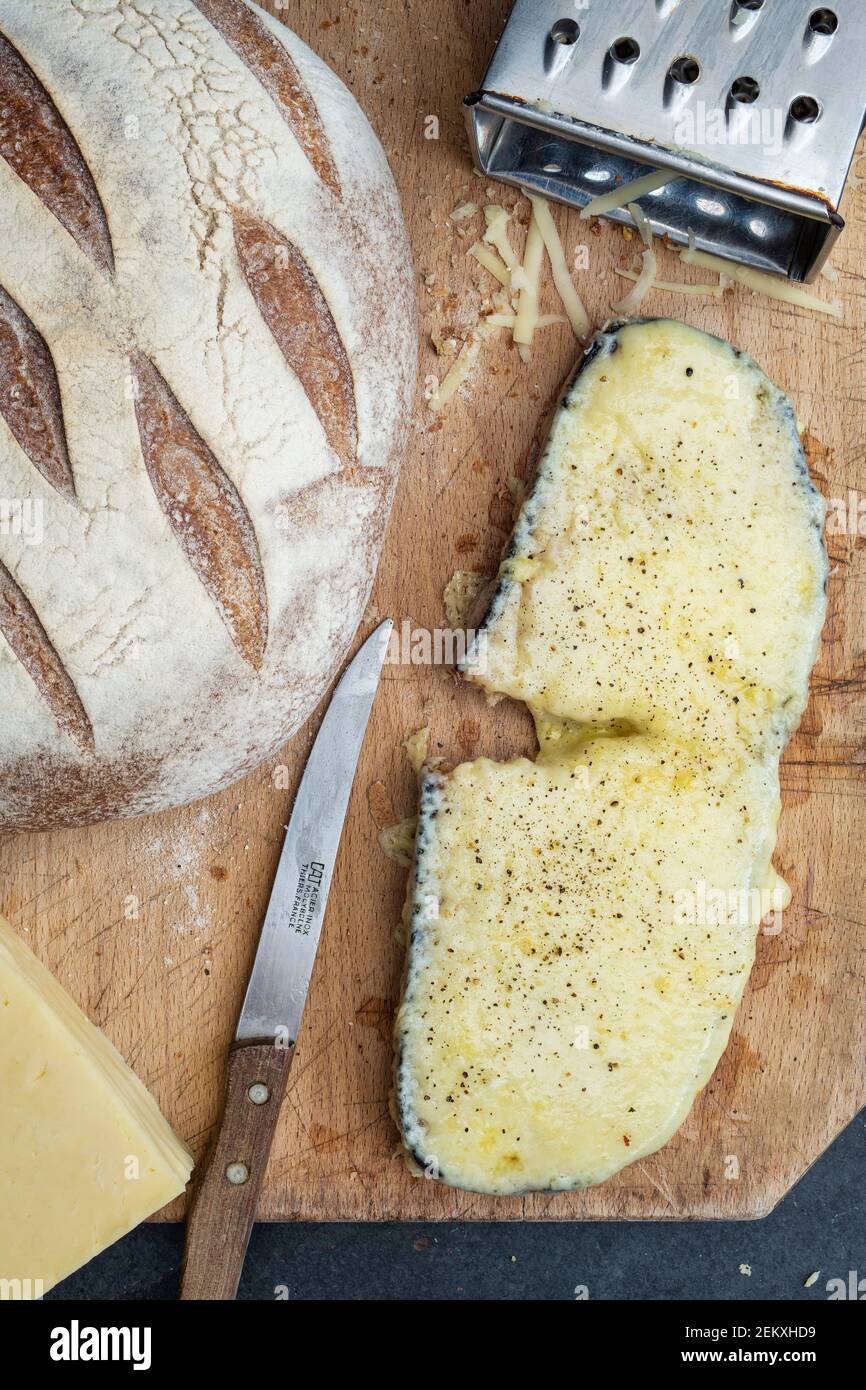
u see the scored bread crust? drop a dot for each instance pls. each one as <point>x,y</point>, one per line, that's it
<point>207,362</point>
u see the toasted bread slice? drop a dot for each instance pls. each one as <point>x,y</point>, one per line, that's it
<point>583,926</point>
<point>668,567</point>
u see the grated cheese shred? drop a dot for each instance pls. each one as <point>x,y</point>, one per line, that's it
<point>497,219</point>
<point>527,308</point>
<point>489,259</point>
<point>676,286</point>
<point>761,283</point>
<point>458,374</point>
<point>642,285</point>
<point>626,193</point>
<point>571,301</point>
<point>642,222</point>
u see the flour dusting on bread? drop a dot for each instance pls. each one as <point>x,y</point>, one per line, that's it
<point>196,597</point>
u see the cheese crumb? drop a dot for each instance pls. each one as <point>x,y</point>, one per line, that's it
<point>460,594</point>
<point>416,746</point>
<point>398,841</point>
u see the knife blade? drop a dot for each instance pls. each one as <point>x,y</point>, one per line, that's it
<point>222,1211</point>
<point>284,962</point>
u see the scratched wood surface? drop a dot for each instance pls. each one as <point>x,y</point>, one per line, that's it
<point>152,925</point>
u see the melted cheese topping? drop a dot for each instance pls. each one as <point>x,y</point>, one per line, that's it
<point>668,567</point>
<point>582,927</point>
<point>566,996</point>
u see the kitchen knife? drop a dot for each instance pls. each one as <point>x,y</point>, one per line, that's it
<point>223,1208</point>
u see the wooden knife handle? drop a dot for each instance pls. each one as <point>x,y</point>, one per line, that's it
<point>220,1219</point>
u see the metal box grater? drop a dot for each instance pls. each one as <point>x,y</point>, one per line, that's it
<point>755,106</point>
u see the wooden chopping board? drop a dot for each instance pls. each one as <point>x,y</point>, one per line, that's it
<point>152,925</point>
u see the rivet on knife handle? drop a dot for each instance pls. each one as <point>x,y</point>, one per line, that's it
<point>223,1208</point>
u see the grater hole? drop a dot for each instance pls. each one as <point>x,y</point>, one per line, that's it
<point>565,31</point>
<point>745,90</point>
<point>685,70</point>
<point>744,14</point>
<point>806,110</point>
<point>625,50</point>
<point>823,21</point>
<point>552,168</point>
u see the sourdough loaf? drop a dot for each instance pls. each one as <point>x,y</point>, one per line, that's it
<point>207,357</point>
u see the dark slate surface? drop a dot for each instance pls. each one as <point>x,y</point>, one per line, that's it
<point>821,1225</point>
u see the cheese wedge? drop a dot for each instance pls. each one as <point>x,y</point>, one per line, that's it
<point>668,566</point>
<point>582,927</point>
<point>85,1153</point>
